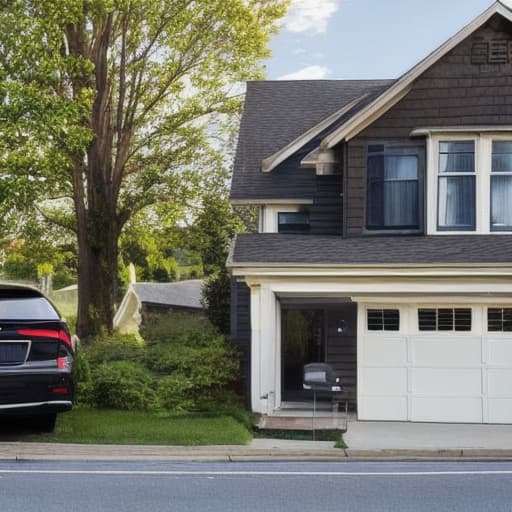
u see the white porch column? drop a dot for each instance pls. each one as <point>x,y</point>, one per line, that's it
<point>263,349</point>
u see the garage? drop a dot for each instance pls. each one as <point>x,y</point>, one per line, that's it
<point>436,362</point>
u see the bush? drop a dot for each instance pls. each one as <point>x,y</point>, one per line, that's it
<point>194,359</point>
<point>82,378</point>
<point>216,298</point>
<point>115,347</point>
<point>123,385</point>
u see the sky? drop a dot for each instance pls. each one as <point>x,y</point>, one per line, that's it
<point>361,39</point>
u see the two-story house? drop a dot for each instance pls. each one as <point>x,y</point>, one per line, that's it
<point>385,240</point>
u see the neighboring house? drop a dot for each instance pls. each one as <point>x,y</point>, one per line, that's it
<point>142,298</point>
<point>385,243</point>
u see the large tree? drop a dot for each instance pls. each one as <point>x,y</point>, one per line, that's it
<point>111,103</point>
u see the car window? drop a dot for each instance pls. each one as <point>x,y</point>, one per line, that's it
<point>28,308</point>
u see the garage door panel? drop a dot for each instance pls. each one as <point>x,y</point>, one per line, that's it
<point>442,409</point>
<point>500,410</point>
<point>499,382</point>
<point>499,352</point>
<point>446,381</point>
<point>382,408</point>
<point>385,351</point>
<point>446,351</point>
<point>383,381</point>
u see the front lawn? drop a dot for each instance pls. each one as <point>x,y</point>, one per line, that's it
<point>105,426</point>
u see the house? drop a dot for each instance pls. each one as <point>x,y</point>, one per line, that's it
<point>143,298</point>
<point>385,236</point>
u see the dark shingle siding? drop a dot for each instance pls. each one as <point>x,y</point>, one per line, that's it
<point>276,113</point>
<point>453,92</point>
<point>271,248</point>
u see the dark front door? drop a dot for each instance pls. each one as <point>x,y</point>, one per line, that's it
<point>318,334</point>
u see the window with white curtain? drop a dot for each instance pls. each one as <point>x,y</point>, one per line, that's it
<point>501,186</point>
<point>456,189</point>
<point>469,182</point>
<point>394,182</point>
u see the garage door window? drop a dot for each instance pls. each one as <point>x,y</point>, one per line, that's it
<point>499,319</point>
<point>444,319</point>
<point>383,320</point>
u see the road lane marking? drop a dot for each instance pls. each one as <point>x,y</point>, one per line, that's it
<point>252,473</point>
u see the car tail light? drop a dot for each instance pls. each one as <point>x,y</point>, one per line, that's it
<point>63,363</point>
<point>62,390</point>
<point>47,333</point>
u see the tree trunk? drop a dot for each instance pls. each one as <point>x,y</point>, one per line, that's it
<point>97,273</point>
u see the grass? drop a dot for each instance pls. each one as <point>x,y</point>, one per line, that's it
<point>302,435</point>
<point>104,426</point>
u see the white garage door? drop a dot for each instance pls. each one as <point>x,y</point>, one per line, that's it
<point>435,363</point>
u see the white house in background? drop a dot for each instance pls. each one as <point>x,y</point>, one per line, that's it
<point>157,297</point>
<point>385,243</point>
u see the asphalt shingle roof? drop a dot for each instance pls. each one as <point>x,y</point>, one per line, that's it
<point>271,248</point>
<point>275,114</point>
<point>181,293</point>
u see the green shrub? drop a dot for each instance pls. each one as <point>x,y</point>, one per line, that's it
<point>82,378</point>
<point>195,361</point>
<point>115,347</point>
<point>216,296</point>
<point>174,393</point>
<point>123,385</point>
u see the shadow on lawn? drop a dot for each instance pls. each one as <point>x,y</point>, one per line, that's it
<point>16,428</point>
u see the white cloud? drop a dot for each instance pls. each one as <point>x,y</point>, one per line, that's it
<point>310,15</point>
<point>308,73</point>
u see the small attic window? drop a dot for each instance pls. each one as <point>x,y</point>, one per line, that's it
<point>293,222</point>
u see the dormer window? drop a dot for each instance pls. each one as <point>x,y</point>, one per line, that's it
<point>293,222</point>
<point>394,188</point>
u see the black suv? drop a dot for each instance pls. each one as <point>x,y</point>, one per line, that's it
<point>36,356</point>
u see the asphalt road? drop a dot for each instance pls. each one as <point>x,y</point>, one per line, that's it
<point>247,487</point>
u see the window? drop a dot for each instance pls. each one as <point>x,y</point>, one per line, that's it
<point>456,189</point>
<point>444,319</point>
<point>499,319</point>
<point>383,320</point>
<point>394,187</point>
<point>501,186</point>
<point>470,183</point>
<point>293,222</point>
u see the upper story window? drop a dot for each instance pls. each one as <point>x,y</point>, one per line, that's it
<point>470,183</point>
<point>501,186</point>
<point>293,222</point>
<point>394,188</point>
<point>456,188</point>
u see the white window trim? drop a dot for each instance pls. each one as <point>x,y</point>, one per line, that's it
<point>269,221</point>
<point>483,153</point>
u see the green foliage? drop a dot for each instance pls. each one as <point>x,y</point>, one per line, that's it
<point>17,266</point>
<point>82,377</point>
<point>115,347</point>
<point>183,365</point>
<point>216,294</point>
<point>123,385</point>
<point>44,269</point>
<point>109,105</point>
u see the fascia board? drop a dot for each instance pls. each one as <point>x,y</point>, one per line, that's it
<point>389,97</point>
<point>271,162</point>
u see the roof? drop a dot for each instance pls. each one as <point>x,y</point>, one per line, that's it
<point>285,116</point>
<point>186,294</point>
<point>275,114</point>
<point>271,249</point>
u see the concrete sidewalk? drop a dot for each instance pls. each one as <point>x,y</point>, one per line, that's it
<point>384,438</point>
<point>258,449</point>
<point>365,440</point>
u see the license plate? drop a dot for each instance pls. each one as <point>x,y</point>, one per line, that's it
<point>13,352</point>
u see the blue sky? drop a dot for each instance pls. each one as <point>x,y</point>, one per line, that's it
<point>350,39</point>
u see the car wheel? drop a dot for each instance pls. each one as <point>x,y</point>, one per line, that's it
<point>45,422</point>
